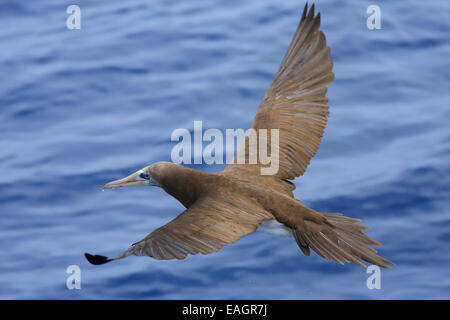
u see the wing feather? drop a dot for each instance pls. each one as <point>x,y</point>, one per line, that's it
<point>205,227</point>
<point>295,103</point>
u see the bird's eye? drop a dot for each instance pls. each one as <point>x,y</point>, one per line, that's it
<point>144,175</point>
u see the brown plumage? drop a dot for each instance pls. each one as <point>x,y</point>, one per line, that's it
<point>223,207</point>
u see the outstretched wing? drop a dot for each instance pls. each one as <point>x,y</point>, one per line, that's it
<point>295,103</point>
<point>205,227</point>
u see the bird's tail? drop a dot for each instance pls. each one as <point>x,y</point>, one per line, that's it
<point>340,239</point>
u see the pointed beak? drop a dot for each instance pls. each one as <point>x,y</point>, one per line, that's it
<point>132,180</point>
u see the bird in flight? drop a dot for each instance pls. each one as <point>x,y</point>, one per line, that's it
<point>223,207</point>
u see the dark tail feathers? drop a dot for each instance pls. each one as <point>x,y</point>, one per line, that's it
<point>339,239</point>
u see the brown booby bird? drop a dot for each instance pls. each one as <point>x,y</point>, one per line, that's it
<point>223,207</point>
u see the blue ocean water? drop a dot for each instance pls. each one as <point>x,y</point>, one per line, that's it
<point>79,108</point>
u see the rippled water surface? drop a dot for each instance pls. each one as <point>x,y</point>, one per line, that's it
<point>79,108</point>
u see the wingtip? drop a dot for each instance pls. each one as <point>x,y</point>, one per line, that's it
<point>305,11</point>
<point>97,259</point>
<point>308,14</point>
<point>311,10</point>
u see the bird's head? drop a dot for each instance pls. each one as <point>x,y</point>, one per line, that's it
<point>153,175</point>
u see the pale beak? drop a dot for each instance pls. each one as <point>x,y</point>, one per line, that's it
<point>135,179</point>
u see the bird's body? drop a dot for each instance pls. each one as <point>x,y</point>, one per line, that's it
<point>223,207</point>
